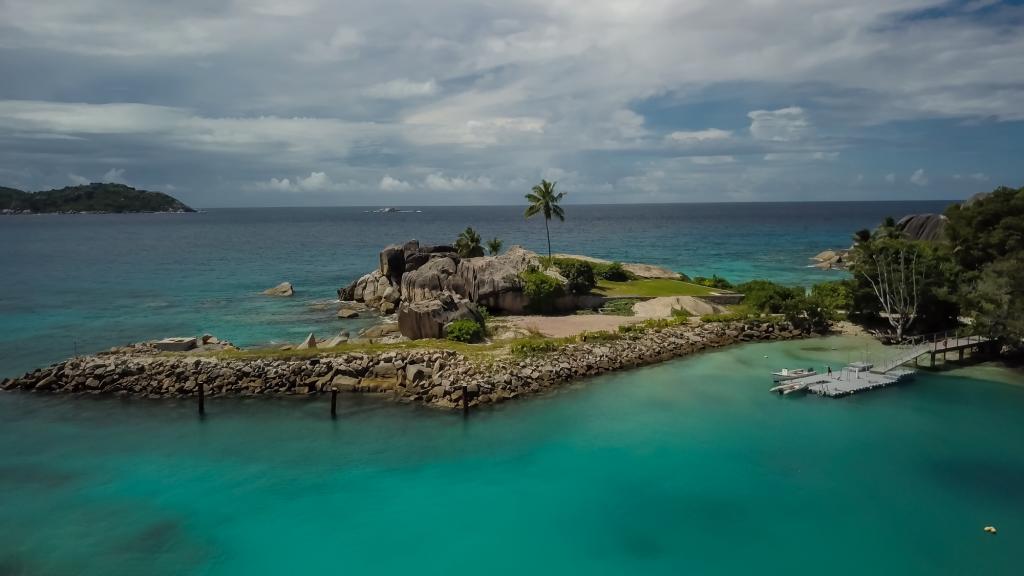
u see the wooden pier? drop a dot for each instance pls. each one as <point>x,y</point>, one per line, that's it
<point>862,376</point>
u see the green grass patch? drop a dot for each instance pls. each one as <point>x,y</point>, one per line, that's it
<point>620,307</point>
<point>650,288</point>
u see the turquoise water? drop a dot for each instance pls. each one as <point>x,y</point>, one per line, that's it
<point>87,282</point>
<point>688,467</point>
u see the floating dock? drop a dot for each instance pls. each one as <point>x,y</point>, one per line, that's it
<point>857,377</point>
<point>862,376</point>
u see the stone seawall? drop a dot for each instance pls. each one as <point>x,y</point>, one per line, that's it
<point>434,377</point>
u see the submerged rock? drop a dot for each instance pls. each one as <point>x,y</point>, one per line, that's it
<point>282,289</point>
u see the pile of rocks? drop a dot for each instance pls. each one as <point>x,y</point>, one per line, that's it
<point>434,377</point>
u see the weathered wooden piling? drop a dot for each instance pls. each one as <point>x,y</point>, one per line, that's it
<point>465,400</point>
<point>202,398</point>
<point>334,402</point>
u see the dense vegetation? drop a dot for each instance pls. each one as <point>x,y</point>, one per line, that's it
<point>541,290</point>
<point>90,198</point>
<point>975,273</point>
<point>464,330</point>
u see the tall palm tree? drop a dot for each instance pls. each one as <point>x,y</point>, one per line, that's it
<point>494,246</point>
<point>468,244</point>
<point>544,199</point>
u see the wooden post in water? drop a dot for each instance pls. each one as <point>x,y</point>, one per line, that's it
<point>334,402</point>
<point>465,400</point>
<point>202,398</point>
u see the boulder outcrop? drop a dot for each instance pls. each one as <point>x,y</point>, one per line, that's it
<point>925,227</point>
<point>429,318</point>
<point>282,289</point>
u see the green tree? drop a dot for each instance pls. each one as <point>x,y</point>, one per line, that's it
<point>494,246</point>
<point>544,200</point>
<point>997,301</point>
<point>468,244</point>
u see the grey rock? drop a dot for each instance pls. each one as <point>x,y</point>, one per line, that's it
<point>428,318</point>
<point>282,289</point>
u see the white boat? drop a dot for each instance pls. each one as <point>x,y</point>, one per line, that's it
<point>787,374</point>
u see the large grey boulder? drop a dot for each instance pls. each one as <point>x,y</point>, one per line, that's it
<point>431,279</point>
<point>429,318</point>
<point>926,227</point>
<point>489,281</point>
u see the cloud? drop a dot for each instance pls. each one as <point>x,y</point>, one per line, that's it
<point>401,88</point>
<point>919,178</point>
<point>708,135</point>
<point>78,180</point>
<point>890,178</point>
<point>343,44</point>
<point>442,183</point>
<point>389,184</point>
<point>114,175</point>
<point>977,176</point>
<point>712,159</point>
<point>782,125</point>
<point>315,182</point>
<point>802,156</point>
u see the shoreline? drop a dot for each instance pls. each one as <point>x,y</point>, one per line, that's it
<point>429,376</point>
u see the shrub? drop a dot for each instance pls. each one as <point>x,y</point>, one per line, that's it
<point>725,316</point>
<point>531,347</point>
<point>599,336</point>
<point>579,275</point>
<point>618,307</point>
<point>464,330</point>
<point>766,296</point>
<point>541,290</point>
<point>715,281</point>
<point>681,313</point>
<point>615,273</point>
<point>834,295</point>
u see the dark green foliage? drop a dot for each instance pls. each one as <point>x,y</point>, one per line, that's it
<point>579,275</point>
<point>464,330</point>
<point>615,273</point>
<point>766,296</point>
<point>715,281</point>
<point>494,246</point>
<point>468,244</point>
<point>987,238</point>
<point>90,198</point>
<point>541,290</point>
<point>808,314</point>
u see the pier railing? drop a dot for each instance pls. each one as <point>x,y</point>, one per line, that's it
<point>933,343</point>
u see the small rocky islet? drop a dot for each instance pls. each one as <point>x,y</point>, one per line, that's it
<point>424,288</point>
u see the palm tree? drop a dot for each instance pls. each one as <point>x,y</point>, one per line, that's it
<point>494,246</point>
<point>468,244</point>
<point>544,199</point>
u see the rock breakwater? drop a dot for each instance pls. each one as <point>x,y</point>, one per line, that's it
<point>434,377</point>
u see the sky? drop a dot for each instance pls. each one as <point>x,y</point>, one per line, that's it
<point>421,102</point>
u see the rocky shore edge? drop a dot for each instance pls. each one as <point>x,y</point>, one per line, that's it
<point>435,377</point>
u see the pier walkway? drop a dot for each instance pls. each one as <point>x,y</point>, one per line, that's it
<point>862,376</point>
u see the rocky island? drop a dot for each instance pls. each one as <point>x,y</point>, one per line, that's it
<point>95,198</point>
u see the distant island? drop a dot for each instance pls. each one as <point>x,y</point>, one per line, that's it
<point>88,198</point>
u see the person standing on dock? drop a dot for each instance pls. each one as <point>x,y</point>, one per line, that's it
<point>829,371</point>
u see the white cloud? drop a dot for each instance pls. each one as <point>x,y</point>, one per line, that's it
<point>919,178</point>
<point>440,182</point>
<point>782,125</point>
<point>977,176</point>
<point>801,156</point>
<point>401,89</point>
<point>78,180</point>
<point>389,184</point>
<point>315,182</point>
<point>114,175</point>
<point>712,159</point>
<point>890,178</point>
<point>708,135</point>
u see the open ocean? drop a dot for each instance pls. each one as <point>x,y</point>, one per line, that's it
<point>89,282</point>
<point>687,467</point>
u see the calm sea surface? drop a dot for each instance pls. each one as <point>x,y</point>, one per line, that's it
<point>688,467</point>
<point>88,282</point>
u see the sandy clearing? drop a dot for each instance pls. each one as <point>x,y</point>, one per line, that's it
<point>561,326</point>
